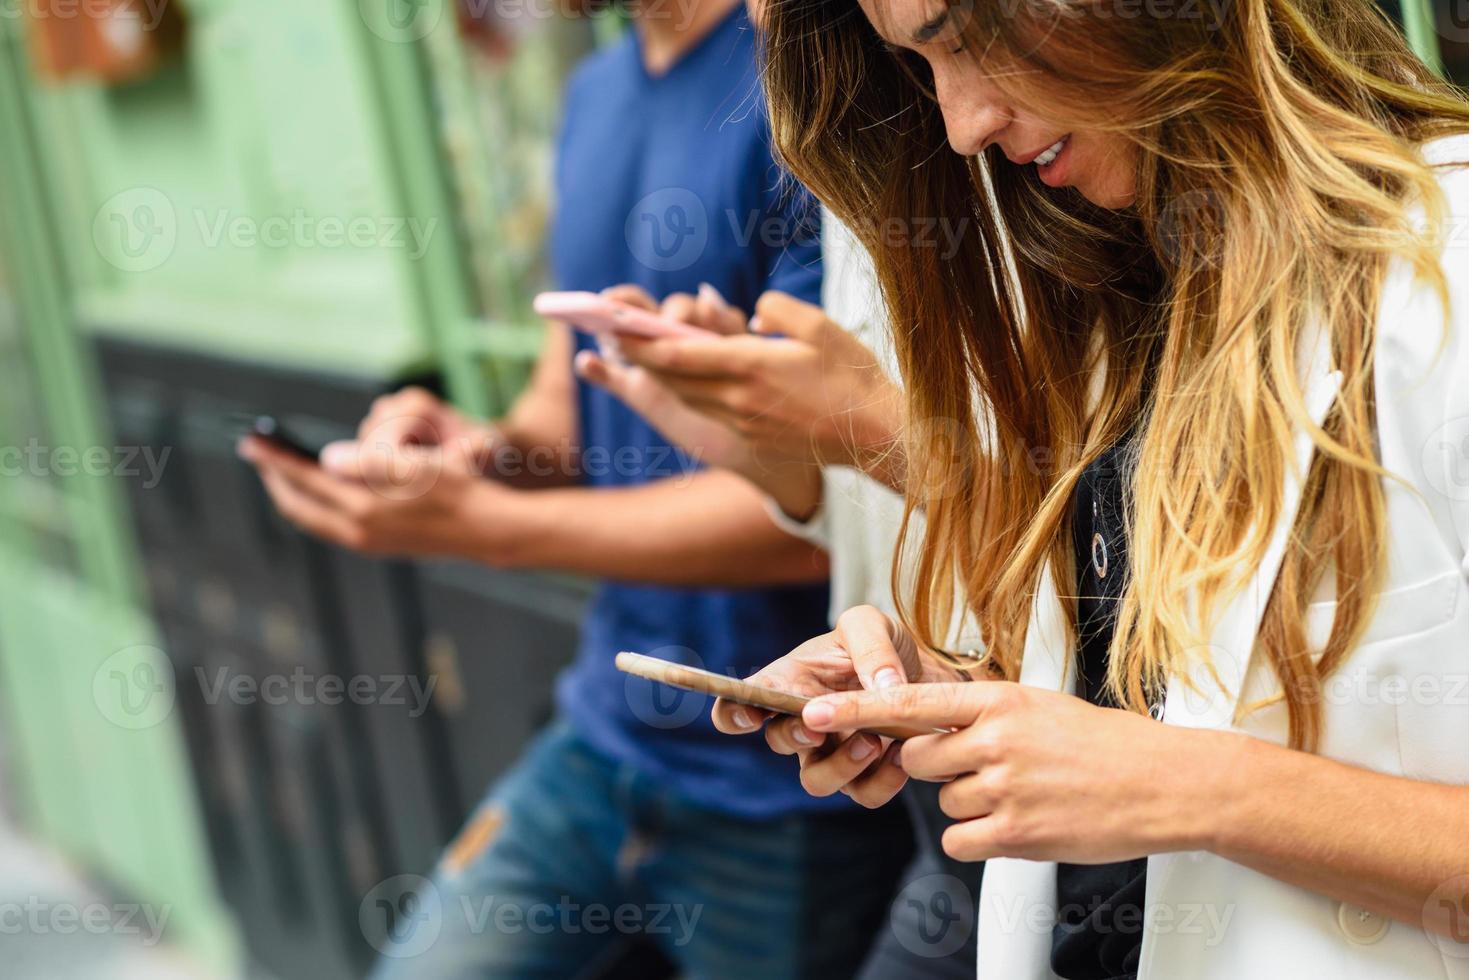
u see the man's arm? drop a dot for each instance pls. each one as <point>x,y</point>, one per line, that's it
<point>709,528</point>
<point>543,417</point>
<point>706,528</point>
<point>537,443</point>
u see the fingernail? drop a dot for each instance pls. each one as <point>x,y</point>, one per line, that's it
<point>742,718</point>
<point>861,749</point>
<point>801,735</point>
<point>756,325</point>
<point>818,714</point>
<point>244,450</point>
<point>887,677</point>
<point>712,296</point>
<point>334,456</point>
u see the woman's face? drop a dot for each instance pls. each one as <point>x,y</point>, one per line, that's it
<point>1101,166</point>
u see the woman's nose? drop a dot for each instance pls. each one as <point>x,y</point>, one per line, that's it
<point>971,118</point>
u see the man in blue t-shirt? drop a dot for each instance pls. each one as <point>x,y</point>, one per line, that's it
<point>630,824</point>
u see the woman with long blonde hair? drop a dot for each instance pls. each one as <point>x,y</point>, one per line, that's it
<point>1188,414</point>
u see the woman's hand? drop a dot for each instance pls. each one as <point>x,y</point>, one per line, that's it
<point>867,650</point>
<point>1042,775</point>
<point>707,309</point>
<point>809,390</point>
<point>1045,776</point>
<point>794,483</point>
<point>700,436</point>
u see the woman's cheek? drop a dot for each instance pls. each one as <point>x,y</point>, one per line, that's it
<point>1114,167</point>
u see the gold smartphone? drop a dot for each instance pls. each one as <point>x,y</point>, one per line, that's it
<point>741,692</point>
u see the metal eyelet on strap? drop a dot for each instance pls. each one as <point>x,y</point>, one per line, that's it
<point>1099,564</point>
<point>978,660</point>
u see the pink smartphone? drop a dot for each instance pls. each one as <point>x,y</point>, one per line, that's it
<point>596,314</point>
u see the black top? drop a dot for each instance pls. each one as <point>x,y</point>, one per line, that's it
<point>1099,927</point>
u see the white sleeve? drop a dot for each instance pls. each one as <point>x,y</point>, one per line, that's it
<point>814,529</point>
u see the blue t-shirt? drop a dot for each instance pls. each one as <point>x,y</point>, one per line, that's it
<point>668,182</point>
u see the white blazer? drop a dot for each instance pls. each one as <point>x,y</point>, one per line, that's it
<point>1399,704</point>
<point>859,520</point>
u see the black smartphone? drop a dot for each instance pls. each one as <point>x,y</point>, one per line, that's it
<point>270,428</point>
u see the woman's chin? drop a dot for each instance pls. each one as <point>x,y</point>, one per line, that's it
<point>1112,199</point>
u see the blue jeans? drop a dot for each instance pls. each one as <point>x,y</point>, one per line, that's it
<point>574,861</point>
<point>931,929</point>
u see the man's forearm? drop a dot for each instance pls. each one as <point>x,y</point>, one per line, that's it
<point>708,529</point>
<point>538,443</point>
<point>533,457</point>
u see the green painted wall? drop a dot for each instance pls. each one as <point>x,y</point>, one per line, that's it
<point>113,795</point>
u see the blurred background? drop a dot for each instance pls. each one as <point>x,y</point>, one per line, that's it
<point>212,209</point>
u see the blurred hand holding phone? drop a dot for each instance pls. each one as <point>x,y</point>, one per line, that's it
<point>271,429</point>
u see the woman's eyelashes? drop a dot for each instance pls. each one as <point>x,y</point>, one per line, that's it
<point>909,55</point>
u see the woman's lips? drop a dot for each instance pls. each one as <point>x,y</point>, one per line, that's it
<point>1053,164</point>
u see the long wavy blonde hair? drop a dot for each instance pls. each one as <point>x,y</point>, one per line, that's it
<point>1279,167</point>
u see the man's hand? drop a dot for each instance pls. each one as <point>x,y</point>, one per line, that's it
<point>415,417</point>
<point>414,500</point>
